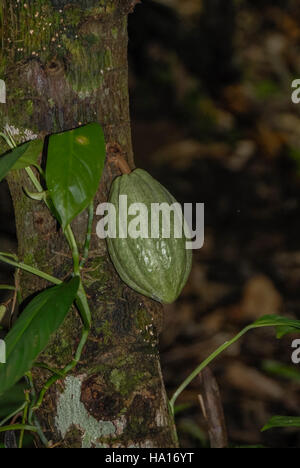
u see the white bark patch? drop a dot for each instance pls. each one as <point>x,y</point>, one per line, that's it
<point>2,92</point>
<point>72,412</point>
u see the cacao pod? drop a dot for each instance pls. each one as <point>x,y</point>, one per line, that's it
<point>155,267</point>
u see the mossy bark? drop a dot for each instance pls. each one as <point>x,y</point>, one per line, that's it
<point>65,64</point>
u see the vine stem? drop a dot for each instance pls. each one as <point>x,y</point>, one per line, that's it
<point>42,365</point>
<point>11,415</point>
<point>24,419</point>
<point>68,231</point>
<point>40,432</point>
<point>64,372</point>
<point>18,427</point>
<point>74,249</point>
<point>81,299</point>
<point>29,380</point>
<point>9,140</point>
<point>7,287</point>
<point>81,302</point>
<point>88,234</point>
<point>33,179</point>
<point>31,270</point>
<point>204,364</point>
<point>31,417</point>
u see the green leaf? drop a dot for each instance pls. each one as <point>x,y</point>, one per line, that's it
<point>289,325</point>
<point>282,421</point>
<point>189,427</point>
<point>7,287</point>
<point>20,157</point>
<point>281,370</point>
<point>9,160</point>
<point>282,331</point>
<point>32,331</point>
<point>75,163</point>
<point>2,312</point>
<point>267,321</point>
<point>12,399</point>
<point>181,408</point>
<point>267,89</point>
<point>31,155</point>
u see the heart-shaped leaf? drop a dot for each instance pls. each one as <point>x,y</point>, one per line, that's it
<point>20,157</point>
<point>32,331</point>
<point>75,163</point>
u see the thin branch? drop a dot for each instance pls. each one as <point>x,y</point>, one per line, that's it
<point>212,409</point>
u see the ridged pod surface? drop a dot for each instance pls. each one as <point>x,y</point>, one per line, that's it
<point>155,267</point>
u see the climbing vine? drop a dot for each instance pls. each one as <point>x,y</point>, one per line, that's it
<point>67,187</point>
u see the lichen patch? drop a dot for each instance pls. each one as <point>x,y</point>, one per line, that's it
<point>72,412</point>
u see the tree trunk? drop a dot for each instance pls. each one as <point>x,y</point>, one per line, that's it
<point>65,64</point>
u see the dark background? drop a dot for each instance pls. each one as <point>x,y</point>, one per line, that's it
<point>212,119</point>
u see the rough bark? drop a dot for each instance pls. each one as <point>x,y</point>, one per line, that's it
<point>65,64</point>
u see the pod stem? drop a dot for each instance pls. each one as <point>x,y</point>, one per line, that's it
<point>116,156</point>
<point>123,165</point>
